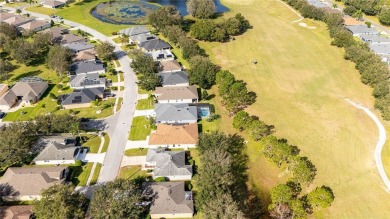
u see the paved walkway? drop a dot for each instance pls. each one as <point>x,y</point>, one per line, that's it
<point>137,144</point>
<point>146,113</point>
<point>133,160</point>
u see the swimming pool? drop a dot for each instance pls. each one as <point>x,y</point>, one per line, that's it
<point>204,112</point>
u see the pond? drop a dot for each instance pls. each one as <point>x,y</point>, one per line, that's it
<point>136,12</point>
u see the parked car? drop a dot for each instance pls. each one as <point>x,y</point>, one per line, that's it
<point>2,114</point>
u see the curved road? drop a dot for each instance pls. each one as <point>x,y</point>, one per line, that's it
<point>379,146</point>
<point>117,126</point>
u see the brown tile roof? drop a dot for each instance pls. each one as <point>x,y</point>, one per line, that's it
<point>172,65</point>
<point>34,24</point>
<point>85,55</point>
<point>31,180</point>
<point>17,20</point>
<point>169,198</point>
<point>5,16</point>
<point>29,90</point>
<point>17,211</point>
<point>349,21</point>
<point>8,98</point>
<point>69,38</point>
<point>176,93</point>
<point>56,32</point>
<point>174,134</point>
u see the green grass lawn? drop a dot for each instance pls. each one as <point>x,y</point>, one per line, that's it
<point>140,128</point>
<point>95,175</point>
<point>80,12</point>
<point>142,91</point>
<point>42,10</point>
<point>106,142</point>
<point>144,104</point>
<point>16,4</point>
<point>136,152</point>
<point>93,142</point>
<point>119,106</point>
<point>79,175</point>
<point>301,82</point>
<point>118,64</point>
<point>112,77</point>
<point>131,172</point>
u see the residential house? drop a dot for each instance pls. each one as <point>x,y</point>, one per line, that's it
<point>357,30</point>
<point>178,94</point>
<point>86,55</point>
<point>141,38</point>
<point>172,79</point>
<point>134,31</point>
<point>174,136</point>
<point>58,151</point>
<point>17,212</point>
<point>3,89</point>
<point>179,113</point>
<point>318,3</point>
<point>35,25</point>
<point>8,100</point>
<point>52,3</point>
<point>17,20</point>
<point>380,49</point>
<point>374,39</point>
<point>27,183</point>
<point>169,200</point>
<point>169,66</point>
<point>81,97</point>
<point>350,21</point>
<point>153,45</point>
<point>4,16</point>
<point>161,55</point>
<point>94,66</point>
<point>87,80</point>
<point>56,33</point>
<point>72,38</point>
<point>76,47</point>
<point>168,164</point>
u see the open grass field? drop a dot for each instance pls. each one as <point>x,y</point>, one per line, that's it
<point>80,12</point>
<point>301,82</point>
<point>140,128</point>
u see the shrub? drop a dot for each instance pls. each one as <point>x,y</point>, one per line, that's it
<point>78,163</point>
<point>160,179</point>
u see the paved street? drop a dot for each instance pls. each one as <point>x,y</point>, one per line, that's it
<point>118,125</point>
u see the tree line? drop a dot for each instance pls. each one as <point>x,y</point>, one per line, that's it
<point>356,9</point>
<point>373,71</point>
<point>18,138</point>
<point>146,70</point>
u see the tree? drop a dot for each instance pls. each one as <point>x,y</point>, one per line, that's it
<point>16,140</point>
<point>55,123</point>
<point>42,43</point>
<point>5,68</point>
<point>277,151</point>
<point>150,81</point>
<point>18,11</point>
<point>303,171</point>
<point>59,59</point>
<point>258,129</point>
<point>202,72</point>
<point>280,211</point>
<point>222,206</point>
<point>384,16</point>
<point>298,209</point>
<point>173,33</point>
<point>105,51</point>
<point>189,47</point>
<point>73,204</point>
<point>117,199</point>
<point>142,64</point>
<point>9,30</point>
<point>281,194</point>
<point>201,8</point>
<point>165,16</point>
<point>203,29</point>
<point>23,51</point>
<point>320,197</point>
<point>242,120</point>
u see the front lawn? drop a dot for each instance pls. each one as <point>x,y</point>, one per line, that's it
<point>80,12</point>
<point>136,152</point>
<point>41,10</point>
<point>131,172</point>
<point>145,104</point>
<point>79,175</point>
<point>119,106</point>
<point>93,142</point>
<point>96,174</point>
<point>106,142</point>
<point>140,128</point>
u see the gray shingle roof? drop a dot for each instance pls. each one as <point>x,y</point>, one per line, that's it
<point>169,163</point>
<point>70,38</point>
<point>155,44</point>
<point>317,4</point>
<point>175,112</point>
<point>77,47</point>
<point>53,3</point>
<point>173,78</point>
<point>29,90</point>
<point>86,66</point>
<point>373,38</point>
<point>380,49</point>
<point>169,198</point>
<point>134,31</point>
<point>56,151</point>
<point>81,96</point>
<point>85,80</point>
<point>361,29</point>
<point>140,38</point>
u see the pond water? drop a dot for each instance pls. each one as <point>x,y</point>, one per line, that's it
<point>131,12</point>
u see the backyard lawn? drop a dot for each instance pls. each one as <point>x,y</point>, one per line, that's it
<point>144,104</point>
<point>140,128</point>
<point>93,142</point>
<point>301,82</point>
<point>80,12</point>
<point>131,172</point>
<point>136,152</point>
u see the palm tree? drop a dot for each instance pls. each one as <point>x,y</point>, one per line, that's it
<point>151,99</point>
<point>95,103</point>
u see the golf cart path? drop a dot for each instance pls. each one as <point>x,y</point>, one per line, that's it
<point>379,146</point>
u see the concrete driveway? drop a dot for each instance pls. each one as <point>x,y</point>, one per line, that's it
<point>146,113</point>
<point>133,160</point>
<point>90,157</point>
